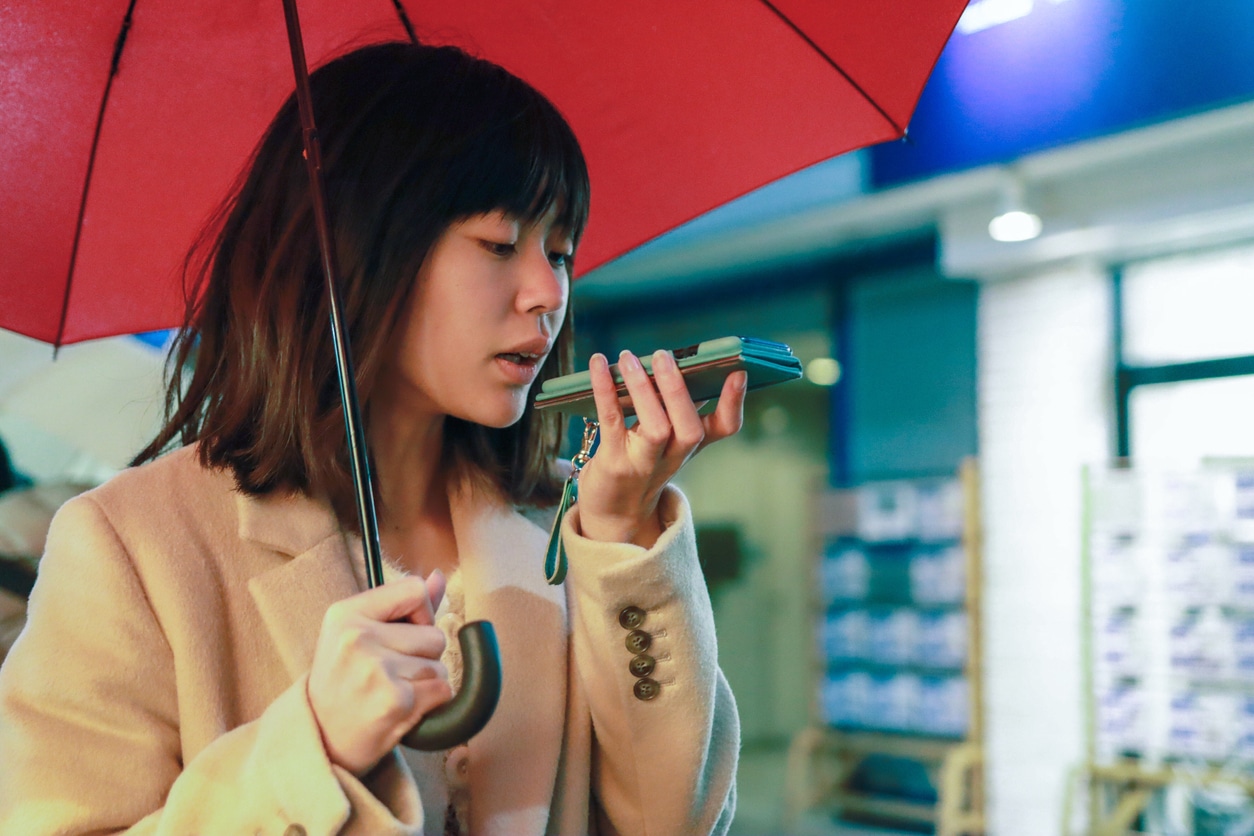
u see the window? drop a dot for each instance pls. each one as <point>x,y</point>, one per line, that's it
<point>1184,356</point>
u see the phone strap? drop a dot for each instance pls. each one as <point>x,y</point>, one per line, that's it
<point>555,555</point>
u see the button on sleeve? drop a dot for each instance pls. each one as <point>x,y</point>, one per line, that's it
<point>646,689</point>
<point>638,641</point>
<point>631,617</point>
<point>642,665</point>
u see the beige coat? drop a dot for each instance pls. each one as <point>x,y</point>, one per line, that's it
<point>25,515</point>
<point>160,684</point>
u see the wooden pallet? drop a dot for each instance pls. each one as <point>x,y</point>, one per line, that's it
<point>822,760</point>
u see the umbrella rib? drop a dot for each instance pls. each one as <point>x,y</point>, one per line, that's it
<point>801,34</point>
<point>118,46</point>
<point>404,16</point>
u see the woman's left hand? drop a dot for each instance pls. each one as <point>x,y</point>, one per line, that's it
<point>620,488</point>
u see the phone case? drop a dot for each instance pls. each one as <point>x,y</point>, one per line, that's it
<point>704,366</point>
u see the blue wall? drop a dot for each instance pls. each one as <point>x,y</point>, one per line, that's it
<point>1069,70</point>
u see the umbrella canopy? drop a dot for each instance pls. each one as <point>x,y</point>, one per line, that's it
<point>127,121</point>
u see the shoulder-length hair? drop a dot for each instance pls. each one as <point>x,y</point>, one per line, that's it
<point>414,138</point>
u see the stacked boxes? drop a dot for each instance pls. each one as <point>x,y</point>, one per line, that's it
<point>1171,606</point>
<point>893,635</point>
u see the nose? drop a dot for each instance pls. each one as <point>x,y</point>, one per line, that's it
<point>543,288</point>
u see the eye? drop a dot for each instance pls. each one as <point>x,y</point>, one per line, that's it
<point>501,249</point>
<point>561,258</point>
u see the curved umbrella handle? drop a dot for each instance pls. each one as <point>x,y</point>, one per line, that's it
<point>469,711</point>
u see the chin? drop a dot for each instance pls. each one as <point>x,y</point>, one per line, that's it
<point>497,416</point>
<point>503,423</point>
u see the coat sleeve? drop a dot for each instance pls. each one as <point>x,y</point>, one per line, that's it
<point>89,722</point>
<point>666,764</point>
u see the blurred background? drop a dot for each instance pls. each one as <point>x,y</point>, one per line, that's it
<point>989,567</point>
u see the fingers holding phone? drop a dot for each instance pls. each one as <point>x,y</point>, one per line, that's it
<point>620,488</point>
<point>691,431</point>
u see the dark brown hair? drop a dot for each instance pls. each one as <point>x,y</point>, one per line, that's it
<point>414,138</point>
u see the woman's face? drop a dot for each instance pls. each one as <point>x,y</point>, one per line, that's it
<point>483,317</point>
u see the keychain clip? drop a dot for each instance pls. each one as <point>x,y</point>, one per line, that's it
<point>555,555</point>
<point>590,429</point>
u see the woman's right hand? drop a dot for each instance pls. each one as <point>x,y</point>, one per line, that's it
<point>376,669</point>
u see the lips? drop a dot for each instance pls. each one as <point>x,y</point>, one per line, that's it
<point>522,362</point>
<point>527,353</point>
<point>522,359</point>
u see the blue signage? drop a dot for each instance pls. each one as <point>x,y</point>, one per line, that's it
<point>1024,75</point>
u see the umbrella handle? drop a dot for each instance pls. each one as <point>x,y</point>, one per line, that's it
<point>469,711</point>
<point>472,707</point>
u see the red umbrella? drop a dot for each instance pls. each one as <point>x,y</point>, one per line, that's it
<point>105,178</point>
<point>125,123</point>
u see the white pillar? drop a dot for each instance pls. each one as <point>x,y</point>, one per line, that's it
<point>1045,399</point>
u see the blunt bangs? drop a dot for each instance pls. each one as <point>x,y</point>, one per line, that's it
<point>524,160</point>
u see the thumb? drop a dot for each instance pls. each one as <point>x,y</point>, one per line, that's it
<point>436,585</point>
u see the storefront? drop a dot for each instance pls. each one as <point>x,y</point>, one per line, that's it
<point>1115,330</point>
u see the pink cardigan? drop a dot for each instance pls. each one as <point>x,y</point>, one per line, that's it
<point>160,683</point>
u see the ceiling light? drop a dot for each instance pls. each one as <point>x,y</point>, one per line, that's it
<point>985,14</point>
<point>823,371</point>
<point>1014,222</point>
<point>1015,225</point>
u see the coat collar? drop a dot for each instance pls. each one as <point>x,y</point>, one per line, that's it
<point>289,523</point>
<point>293,597</point>
<point>500,556</point>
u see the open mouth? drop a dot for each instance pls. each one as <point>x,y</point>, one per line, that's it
<point>528,360</point>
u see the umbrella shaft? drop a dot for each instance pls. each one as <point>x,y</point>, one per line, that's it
<point>359,459</point>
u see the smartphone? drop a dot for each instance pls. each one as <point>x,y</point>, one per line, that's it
<point>704,366</point>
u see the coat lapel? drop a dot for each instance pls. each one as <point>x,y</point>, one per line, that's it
<point>294,596</point>
<point>513,761</point>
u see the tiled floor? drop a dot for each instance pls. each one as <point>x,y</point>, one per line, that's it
<point>760,801</point>
<point>760,791</point>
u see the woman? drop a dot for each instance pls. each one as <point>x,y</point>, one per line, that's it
<point>201,657</point>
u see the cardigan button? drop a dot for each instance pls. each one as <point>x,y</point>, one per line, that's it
<point>642,665</point>
<point>631,618</point>
<point>295,830</point>
<point>638,641</point>
<point>646,689</point>
<point>457,768</point>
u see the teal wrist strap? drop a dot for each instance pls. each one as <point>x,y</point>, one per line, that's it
<point>555,555</point>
